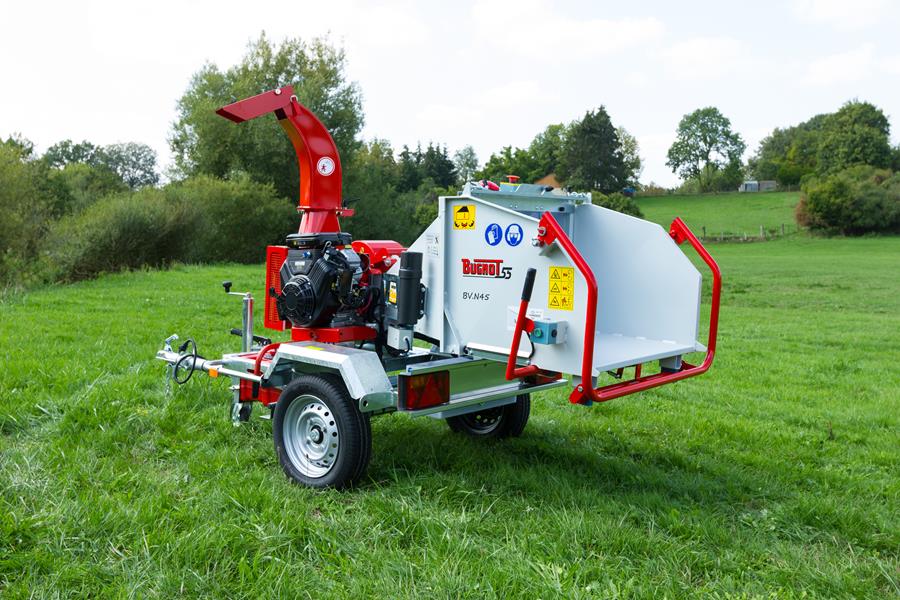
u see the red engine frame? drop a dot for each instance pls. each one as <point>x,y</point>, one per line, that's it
<point>550,231</point>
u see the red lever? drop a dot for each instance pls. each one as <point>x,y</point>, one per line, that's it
<point>317,155</point>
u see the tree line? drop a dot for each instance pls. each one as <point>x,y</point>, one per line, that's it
<point>106,204</point>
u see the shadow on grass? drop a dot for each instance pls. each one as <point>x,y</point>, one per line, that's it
<point>554,465</point>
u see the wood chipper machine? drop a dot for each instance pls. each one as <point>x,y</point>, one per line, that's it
<point>510,289</point>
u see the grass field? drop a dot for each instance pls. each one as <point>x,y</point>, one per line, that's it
<point>777,474</point>
<point>734,213</point>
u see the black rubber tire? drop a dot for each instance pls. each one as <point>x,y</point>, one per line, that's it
<point>355,447</point>
<point>500,422</point>
<point>245,411</point>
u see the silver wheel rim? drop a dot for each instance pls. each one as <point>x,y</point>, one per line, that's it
<point>311,436</point>
<point>485,421</point>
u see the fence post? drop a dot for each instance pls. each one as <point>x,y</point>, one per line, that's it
<point>762,232</point>
<point>704,231</point>
<point>782,229</point>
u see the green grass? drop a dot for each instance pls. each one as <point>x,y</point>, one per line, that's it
<point>732,213</point>
<point>775,474</point>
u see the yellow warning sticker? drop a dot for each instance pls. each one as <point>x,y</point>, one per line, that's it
<point>392,293</point>
<point>464,216</point>
<point>561,288</point>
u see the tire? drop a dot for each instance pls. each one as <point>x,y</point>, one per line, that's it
<point>504,421</point>
<point>322,440</point>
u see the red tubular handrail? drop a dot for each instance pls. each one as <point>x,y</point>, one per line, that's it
<point>549,231</point>
<point>257,364</point>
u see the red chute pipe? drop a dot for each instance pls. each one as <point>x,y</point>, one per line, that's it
<point>317,155</point>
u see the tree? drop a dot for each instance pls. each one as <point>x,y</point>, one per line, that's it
<point>857,134</point>
<point>204,142</point>
<point>545,151</point>
<point>704,145</point>
<point>466,163</point>
<point>77,186</point>
<point>631,154</point>
<point>135,164</point>
<point>23,210</point>
<point>20,145</point>
<point>592,157</point>
<point>410,167</point>
<point>509,161</point>
<point>68,152</point>
<point>539,159</point>
<point>437,166</point>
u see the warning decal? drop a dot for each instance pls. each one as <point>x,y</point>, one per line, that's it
<point>561,288</point>
<point>464,216</point>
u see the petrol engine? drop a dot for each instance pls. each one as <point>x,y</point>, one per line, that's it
<point>321,281</point>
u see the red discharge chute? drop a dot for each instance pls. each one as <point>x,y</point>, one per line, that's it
<point>317,155</point>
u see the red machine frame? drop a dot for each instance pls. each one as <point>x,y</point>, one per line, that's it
<point>550,231</point>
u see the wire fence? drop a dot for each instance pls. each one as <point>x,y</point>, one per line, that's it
<point>757,235</point>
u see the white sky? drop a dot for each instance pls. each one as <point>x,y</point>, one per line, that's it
<point>487,73</point>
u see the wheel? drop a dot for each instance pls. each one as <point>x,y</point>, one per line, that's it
<point>321,438</point>
<point>245,411</point>
<point>498,422</point>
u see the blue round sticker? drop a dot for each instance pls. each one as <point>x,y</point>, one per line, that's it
<point>514,234</point>
<point>493,234</point>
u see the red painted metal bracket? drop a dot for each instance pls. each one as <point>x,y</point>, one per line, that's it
<point>333,335</point>
<point>549,231</point>
<point>317,155</point>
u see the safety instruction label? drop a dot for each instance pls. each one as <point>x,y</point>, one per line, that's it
<point>392,292</point>
<point>561,288</point>
<point>464,216</point>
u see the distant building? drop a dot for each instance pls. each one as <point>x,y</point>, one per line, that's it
<point>549,180</point>
<point>767,185</point>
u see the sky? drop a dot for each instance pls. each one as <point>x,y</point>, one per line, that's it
<point>488,73</point>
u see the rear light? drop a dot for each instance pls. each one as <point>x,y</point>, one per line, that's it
<point>424,391</point>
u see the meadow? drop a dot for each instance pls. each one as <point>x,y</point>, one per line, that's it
<point>776,474</point>
<point>732,213</point>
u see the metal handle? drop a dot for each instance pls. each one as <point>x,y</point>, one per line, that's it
<point>523,323</point>
<point>529,284</point>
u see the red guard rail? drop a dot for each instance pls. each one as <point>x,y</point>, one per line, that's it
<point>549,231</point>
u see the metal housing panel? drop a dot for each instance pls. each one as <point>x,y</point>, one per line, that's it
<point>648,290</point>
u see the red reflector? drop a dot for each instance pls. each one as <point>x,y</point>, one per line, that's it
<point>424,391</point>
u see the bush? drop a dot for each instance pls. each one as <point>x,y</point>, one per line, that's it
<point>854,201</point>
<point>618,202</point>
<point>24,212</point>
<point>123,231</point>
<point>198,220</point>
<point>237,218</point>
<point>653,189</point>
<point>77,186</point>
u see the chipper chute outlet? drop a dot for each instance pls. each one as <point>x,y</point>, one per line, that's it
<point>513,289</point>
